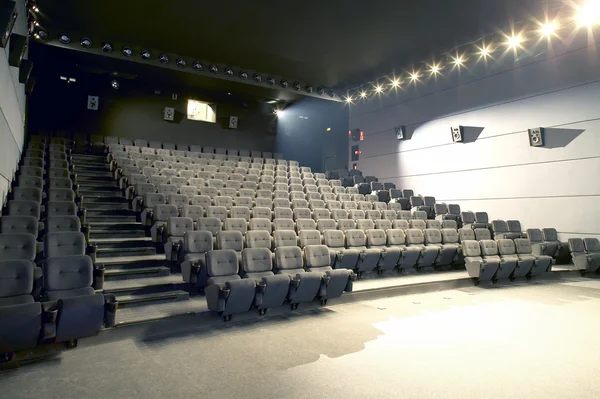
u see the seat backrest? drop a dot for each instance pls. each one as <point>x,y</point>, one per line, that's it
<point>222,262</point>
<point>365,224</point>
<point>489,247</point>
<point>454,209</point>
<point>523,246</point>
<point>467,217</point>
<point>192,211</point>
<point>506,247</point>
<point>592,245</point>
<point>219,212</point>
<point>178,200</point>
<point>471,248</point>
<point>59,275</point>
<point>333,238</point>
<point>337,214</point>
<point>534,235</point>
<point>33,171</point>
<point>432,236</point>
<point>236,224</point>
<point>163,212</point>
<point>289,258</point>
<point>389,215</point>
<point>302,213</point>
<point>356,238</point>
<point>332,205</point>
<point>16,277</point>
<point>466,234</point>
<point>499,226</point>
<point>258,239</point>
<point>482,234</point>
<point>422,215</point>
<point>376,238</point>
<point>400,224</point>
<point>263,203</point>
<point>61,208</point>
<point>326,224</point>
<point>317,256</point>
<point>281,203</point>
<point>64,243</point>
<point>256,260</point>
<point>224,201</point>
<point>241,212</point>
<point>31,181</point>
<point>576,246</point>
<point>24,208</point>
<point>309,237</point>
<point>383,224</point>
<point>481,217</point>
<point>416,201</point>
<point>372,214</point>
<point>177,226</point>
<point>365,205</point>
<point>63,223</point>
<point>405,215</point>
<point>19,224</point>
<point>265,213</point>
<point>395,237</point>
<point>433,224</point>
<point>305,224</point>
<point>514,226</point>
<point>320,214</point>
<point>203,200</point>
<point>28,194</point>
<point>211,224</point>
<point>449,236</point>
<point>230,240</point>
<point>417,224</point>
<point>449,224</point>
<point>284,238</point>
<point>356,214</point>
<point>414,236</point>
<point>168,189</point>
<point>346,224</point>
<point>440,208</point>
<point>550,234</point>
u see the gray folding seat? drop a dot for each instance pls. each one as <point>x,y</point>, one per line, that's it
<point>206,176</point>
<point>404,203</point>
<point>467,219</point>
<point>337,214</point>
<point>278,194</point>
<point>454,212</point>
<point>537,243</point>
<point>450,239</point>
<point>401,224</point>
<point>260,224</point>
<point>394,207</point>
<point>466,233</point>
<point>351,190</point>
<point>173,240</point>
<point>223,177</point>
<point>500,229</point>
<point>325,190</point>
<point>167,189</point>
<point>422,215</point>
<point>480,268</point>
<point>304,286</point>
<point>551,240</point>
<point>343,197</point>
<point>364,188</point>
<point>380,206</point>
<point>449,224</point>
<point>318,214</point>
<point>193,212</point>
<point>203,200</point>
<point>389,256</point>
<point>297,195</point>
<point>482,234</point>
<point>440,210</point>
<point>195,148</point>
<point>264,193</point>
<point>447,253</point>
<point>365,224</point>
<point>586,256</point>
<point>226,292</point>
<point>216,183</point>
<point>389,215</point>
<point>162,165</point>
<point>541,263</point>
<point>305,224</point>
<point>283,213</point>
<point>417,224</point>
<point>223,201</point>
<point>27,194</point>
<point>34,161</point>
<point>371,198</point>
<point>433,224</point>
<point>481,220</point>
<point>21,316</point>
<point>197,182</point>
<point>301,213</point>
<point>151,171</point>
<point>340,257</point>
<point>212,192</point>
<point>416,239</point>
<point>161,214</point>
<point>356,214</point>
<point>326,224</point>
<point>242,212</point>
<point>229,191</point>
<point>383,224</point>
<point>365,205</point>
<point>346,224</point>
<point>231,239</point>
<point>188,174</point>
<point>309,237</point>
<point>211,224</point>
<point>281,203</point>
<point>335,282</point>
<point>217,211</point>
<point>514,229</point>
<point>510,261</point>
<point>146,206</point>
<point>189,191</point>
<point>333,205</point>
<point>280,224</point>
<point>272,289</point>
<point>261,212</point>
<point>405,215</point>
<point>368,258</point>
<point>299,203</point>
<point>373,214</point>
<point>316,204</point>
<point>284,238</point>
<point>64,208</point>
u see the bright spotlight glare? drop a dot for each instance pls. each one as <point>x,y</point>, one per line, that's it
<point>435,69</point>
<point>348,100</point>
<point>514,41</point>
<point>458,61</point>
<point>484,51</point>
<point>378,89</point>
<point>548,29</point>
<point>363,94</point>
<point>277,112</point>
<point>395,83</point>
<point>414,76</point>
<point>589,14</point>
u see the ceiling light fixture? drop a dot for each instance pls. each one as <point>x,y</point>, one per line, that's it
<point>127,51</point>
<point>107,47</point>
<point>363,94</point>
<point>243,75</point>
<point>349,100</point>
<point>395,83</point>
<point>484,52</point>
<point>64,38</point>
<point>213,68</point>
<point>589,14</point>
<point>378,89</point>
<point>434,69</point>
<point>514,41</point>
<point>414,76</point>
<point>163,59</point>
<point>42,34</point>
<point>548,29</point>
<point>197,66</point>
<point>458,61</point>
<point>146,55</point>
<point>284,83</point>
<point>115,84</point>
<point>228,72</point>
<point>308,88</point>
<point>181,63</point>
<point>86,42</point>
<point>271,80</point>
<point>257,77</point>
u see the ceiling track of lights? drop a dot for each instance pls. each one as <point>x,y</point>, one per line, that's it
<point>584,17</point>
<point>173,61</point>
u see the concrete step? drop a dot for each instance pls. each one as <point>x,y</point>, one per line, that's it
<point>145,285</point>
<point>145,272</point>
<point>106,205</point>
<point>87,189</point>
<point>82,168</point>
<point>104,175</point>
<point>106,195</point>
<point>111,218</point>
<point>117,234</point>
<point>95,199</point>
<point>87,184</point>
<point>115,226</point>
<point>106,252</point>
<point>158,311</point>
<point>132,300</point>
<point>117,243</point>
<point>134,261</point>
<point>86,157</point>
<point>111,212</point>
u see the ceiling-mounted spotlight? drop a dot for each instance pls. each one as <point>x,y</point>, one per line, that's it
<point>213,68</point>
<point>228,71</point>
<point>197,66</point>
<point>42,34</point>
<point>320,90</point>
<point>331,93</point>
<point>64,38</point>
<point>284,83</point>
<point>181,63</point>
<point>296,86</point>
<point>257,77</point>
<point>127,51</point>
<point>107,47</point>
<point>86,42</point>
<point>244,75</point>
<point>308,88</point>
<point>115,84</point>
<point>271,80</point>
<point>146,55</point>
<point>163,59</point>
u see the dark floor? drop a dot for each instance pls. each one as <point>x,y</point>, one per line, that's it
<point>530,340</point>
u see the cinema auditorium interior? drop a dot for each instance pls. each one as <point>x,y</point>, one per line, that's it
<point>299,199</point>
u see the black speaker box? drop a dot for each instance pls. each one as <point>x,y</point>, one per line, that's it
<point>25,71</point>
<point>536,137</point>
<point>18,47</point>
<point>8,16</point>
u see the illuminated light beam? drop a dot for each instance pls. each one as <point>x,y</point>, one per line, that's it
<point>548,29</point>
<point>514,41</point>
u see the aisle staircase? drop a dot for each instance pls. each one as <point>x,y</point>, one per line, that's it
<point>146,285</point>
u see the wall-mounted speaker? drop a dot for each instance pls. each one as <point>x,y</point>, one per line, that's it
<point>400,132</point>
<point>233,122</point>
<point>8,16</point>
<point>169,114</point>
<point>457,133</point>
<point>536,137</point>
<point>93,103</point>
<point>25,71</point>
<point>18,47</point>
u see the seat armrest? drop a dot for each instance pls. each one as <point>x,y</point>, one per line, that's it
<point>49,318</point>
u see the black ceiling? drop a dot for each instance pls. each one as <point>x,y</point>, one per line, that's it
<point>330,42</point>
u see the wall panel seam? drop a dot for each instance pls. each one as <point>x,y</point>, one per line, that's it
<point>518,198</point>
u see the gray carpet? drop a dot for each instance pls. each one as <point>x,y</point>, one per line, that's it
<point>523,341</point>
